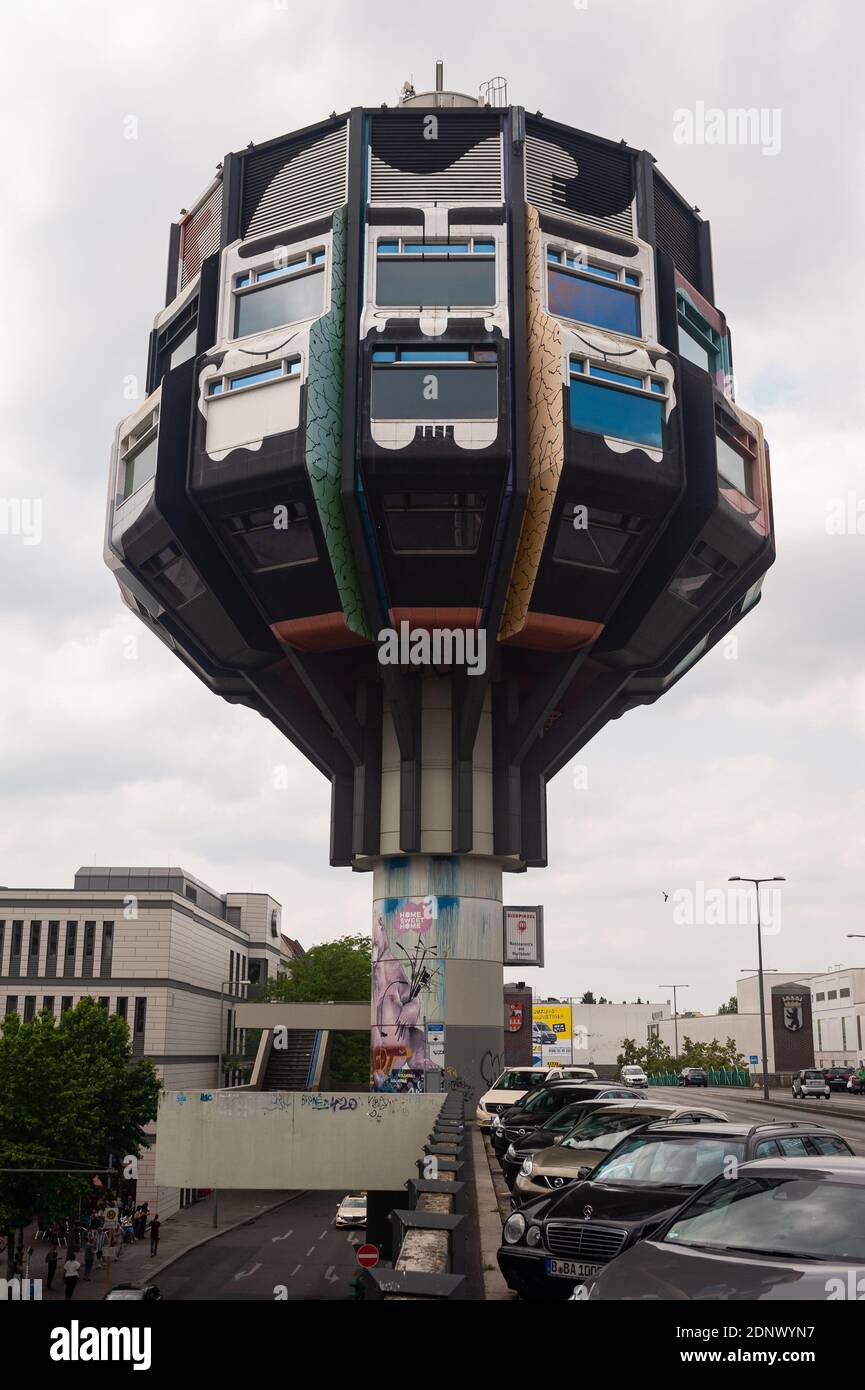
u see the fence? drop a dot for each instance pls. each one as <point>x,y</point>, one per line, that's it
<point>724,1076</point>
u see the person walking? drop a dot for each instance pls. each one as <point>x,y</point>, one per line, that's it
<point>89,1253</point>
<point>154,1235</point>
<point>51,1265</point>
<point>71,1270</point>
<point>861,1075</point>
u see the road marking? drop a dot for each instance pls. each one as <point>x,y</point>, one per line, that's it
<point>285,1237</point>
<point>323,1234</point>
<point>247,1273</point>
<point>330,1276</point>
<point>294,1271</point>
<point>310,1251</point>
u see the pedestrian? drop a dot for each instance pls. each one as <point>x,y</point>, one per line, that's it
<point>51,1265</point>
<point>71,1270</point>
<point>89,1254</point>
<point>100,1245</point>
<point>861,1075</point>
<point>154,1235</point>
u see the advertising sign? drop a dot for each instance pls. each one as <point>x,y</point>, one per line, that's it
<point>551,1034</point>
<point>523,935</point>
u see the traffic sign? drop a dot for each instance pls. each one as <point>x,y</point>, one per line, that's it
<point>753,1061</point>
<point>367,1256</point>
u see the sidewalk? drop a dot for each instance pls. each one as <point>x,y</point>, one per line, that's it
<point>179,1234</point>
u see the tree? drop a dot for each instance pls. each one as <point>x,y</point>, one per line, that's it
<point>731,1006</point>
<point>70,1095</point>
<point>588,998</point>
<point>338,972</point>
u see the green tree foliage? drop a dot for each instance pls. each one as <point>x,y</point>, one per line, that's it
<point>338,972</point>
<point>731,1006</point>
<point>70,1095</point>
<point>655,1057</point>
<point>588,998</point>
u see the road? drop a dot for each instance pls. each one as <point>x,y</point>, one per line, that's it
<point>296,1250</point>
<point>736,1107</point>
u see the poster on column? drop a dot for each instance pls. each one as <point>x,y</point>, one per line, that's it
<point>551,1034</point>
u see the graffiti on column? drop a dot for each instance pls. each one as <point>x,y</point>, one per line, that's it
<point>407,992</point>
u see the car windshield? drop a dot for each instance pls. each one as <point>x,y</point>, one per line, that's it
<point>814,1076</point>
<point>564,1120</point>
<point>518,1080</point>
<point>355,1203</point>
<point>775,1215</point>
<point>686,1161</point>
<point>602,1132</point>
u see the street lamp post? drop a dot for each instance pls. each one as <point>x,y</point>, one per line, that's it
<point>777,878</point>
<point>675,1014</point>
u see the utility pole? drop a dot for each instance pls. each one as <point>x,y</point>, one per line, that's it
<point>675,1013</point>
<point>740,878</point>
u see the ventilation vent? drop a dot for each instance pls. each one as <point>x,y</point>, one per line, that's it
<point>463,165</point>
<point>199,236</point>
<point>295,181</point>
<point>573,177</point>
<point>676,231</point>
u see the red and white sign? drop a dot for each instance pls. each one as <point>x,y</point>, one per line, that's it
<point>367,1256</point>
<point>523,935</point>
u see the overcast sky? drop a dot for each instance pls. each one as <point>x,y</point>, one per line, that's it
<point>752,765</point>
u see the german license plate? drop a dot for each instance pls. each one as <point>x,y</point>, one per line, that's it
<point>571,1269</point>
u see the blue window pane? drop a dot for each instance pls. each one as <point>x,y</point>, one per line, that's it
<point>597,270</point>
<point>430,355</point>
<point>623,379</point>
<point>658,386</point>
<point>424,248</point>
<point>318,257</point>
<point>631,279</point>
<point>253,378</point>
<point>619,414</point>
<point>485,248</point>
<point>215,388</point>
<point>577,365</point>
<point>607,306</point>
<point>555,256</point>
<point>388,248</point>
<point>242,280</point>
<point>384,357</point>
<point>281,270</point>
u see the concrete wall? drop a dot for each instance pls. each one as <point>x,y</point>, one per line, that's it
<point>745,1028</point>
<point>290,1139</point>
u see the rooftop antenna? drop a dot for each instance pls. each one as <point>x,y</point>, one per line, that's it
<point>440,76</point>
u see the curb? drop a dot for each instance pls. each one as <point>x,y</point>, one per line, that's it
<point>222,1231</point>
<point>489,1221</point>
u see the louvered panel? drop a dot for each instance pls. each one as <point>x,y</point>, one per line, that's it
<point>573,177</point>
<point>294,182</point>
<point>676,232</point>
<point>199,236</point>
<point>463,165</point>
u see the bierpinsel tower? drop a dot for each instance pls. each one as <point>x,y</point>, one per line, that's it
<point>440,468</point>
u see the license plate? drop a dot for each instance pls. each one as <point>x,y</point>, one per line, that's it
<point>571,1269</point>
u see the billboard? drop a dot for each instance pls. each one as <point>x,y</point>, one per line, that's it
<point>523,929</point>
<point>551,1034</point>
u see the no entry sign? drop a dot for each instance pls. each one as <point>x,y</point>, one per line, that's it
<point>367,1256</point>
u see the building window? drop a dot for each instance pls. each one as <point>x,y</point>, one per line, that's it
<point>737,453</point>
<point>65,1004</point>
<point>843,994</point>
<point>617,404</point>
<point>859,1030</point>
<point>820,1034</point>
<point>89,949</point>
<point>587,290</point>
<point>138,453</point>
<point>104,1002</point>
<point>2,940</point>
<point>702,576</point>
<point>122,1007</point>
<point>107,950</point>
<point>843,1033</point>
<point>232,916</point>
<point>434,523</point>
<point>29,1007</point>
<point>15,948</point>
<point>173,576</point>
<point>140,1017</point>
<point>699,342</point>
<point>69,954</point>
<point>602,543</point>
<point>12,1003</point>
<point>189,893</point>
<point>819,997</point>
<point>52,948</point>
<point>33,952</point>
<point>430,384</point>
<point>279,294</point>
<point>176,342</point>
<point>832,994</point>
<point>274,537</point>
<point>261,376</point>
<point>436,273</point>
<point>48,1003</point>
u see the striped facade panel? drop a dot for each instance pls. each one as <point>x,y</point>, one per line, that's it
<point>461,164</point>
<point>294,181</point>
<point>571,176</point>
<point>676,231</point>
<point>199,236</point>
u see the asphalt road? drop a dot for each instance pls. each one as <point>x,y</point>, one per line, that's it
<point>295,1252</point>
<point>735,1107</point>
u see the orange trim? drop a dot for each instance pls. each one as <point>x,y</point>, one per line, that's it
<point>323,632</point>
<point>553,633</point>
<point>428,618</point>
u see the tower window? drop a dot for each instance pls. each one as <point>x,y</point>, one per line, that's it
<point>619,404</point>
<point>589,291</point>
<point>434,384</point>
<point>702,576</point>
<point>443,273</point>
<point>138,454</point>
<point>275,295</point>
<point>240,381</point>
<point>431,523</point>
<point>737,453</point>
<point>601,543</point>
<point>274,537</point>
<point>699,342</point>
<point>172,575</point>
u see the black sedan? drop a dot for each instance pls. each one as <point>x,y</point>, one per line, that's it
<point>782,1228</point>
<point>518,1121</point>
<point>693,1076</point>
<point>553,1243</point>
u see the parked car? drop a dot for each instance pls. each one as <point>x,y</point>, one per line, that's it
<point>576,1154</point>
<point>781,1228</point>
<point>558,1241</point>
<point>352,1210</point>
<point>856,1084</point>
<point>507,1090</point>
<point>133,1293</point>
<point>810,1082</point>
<point>693,1076</point>
<point>543,1035</point>
<point>838,1077</point>
<point>633,1076</point>
<point>552,1131</point>
<point>555,1095</point>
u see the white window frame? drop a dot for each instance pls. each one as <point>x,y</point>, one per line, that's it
<point>291,369</point>
<point>640,265</point>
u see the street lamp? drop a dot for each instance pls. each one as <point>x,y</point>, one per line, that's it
<point>777,878</point>
<point>675,1014</point>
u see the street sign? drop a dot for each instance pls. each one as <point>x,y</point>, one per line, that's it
<point>367,1256</point>
<point>523,930</point>
<point>111,1218</point>
<point>753,1061</point>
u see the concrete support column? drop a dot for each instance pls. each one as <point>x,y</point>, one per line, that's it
<point>437,971</point>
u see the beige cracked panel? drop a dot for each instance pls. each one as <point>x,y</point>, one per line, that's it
<point>545,434</point>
